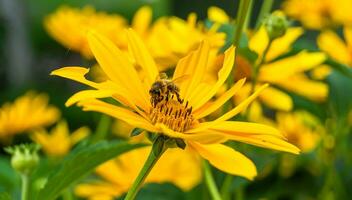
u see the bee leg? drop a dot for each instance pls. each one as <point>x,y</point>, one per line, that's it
<point>178,97</point>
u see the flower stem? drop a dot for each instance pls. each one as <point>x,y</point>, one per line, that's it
<point>225,188</point>
<point>264,10</point>
<point>241,19</point>
<point>209,181</point>
<point>159,147</point>
<point>25,186</point>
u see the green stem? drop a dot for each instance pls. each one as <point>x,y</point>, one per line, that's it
<point>159,147</point>
<point>264,11</point>
<point>258,65</point>
<point>225,189</point>
<point>25,186</point>
<point>209,181</point>
<point>249,16</point>
<point>241,20</point>
<point>103,128</point>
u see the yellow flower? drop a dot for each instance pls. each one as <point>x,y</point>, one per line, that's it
<point>334,46</point>
<point>168,38</point>
<point>301,129</point>
<point>319,14</point>
<point>69,27</point>
<point>287,73</point>
<point>180,168</point>
<point>59,141</point>
<point>166,114</point>
<point>26,113</point>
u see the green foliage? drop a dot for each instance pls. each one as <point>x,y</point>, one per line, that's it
<point>80,163</point>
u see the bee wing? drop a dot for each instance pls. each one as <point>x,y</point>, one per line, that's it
<point>182,78</point>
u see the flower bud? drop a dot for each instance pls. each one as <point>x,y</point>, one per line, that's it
<point>24,157</point>
<point>276,25</point>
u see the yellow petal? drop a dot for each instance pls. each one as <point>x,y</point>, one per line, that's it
<point>88,94</point>
<point>142,19</point>
<point>289,66</point>
<point>142,56</point>
<point>283,44</point>
<point>239,108</point>
<point>276,99</point>
<point>117,112</point>
<point>266,141</point>
<point>217,14</point>
<point>213,106</point>
<point>197,61</point>
<point>117,67</point>
<point>259,41</point>
<point>91,190</point>
<point>302,85</point>
<point>76,74</point>
<point>226,159</point>
<point>204,137</point>
<point>79,134</point>
<point>200,97</point>
<point>246,128</point>
<point>330,42</point>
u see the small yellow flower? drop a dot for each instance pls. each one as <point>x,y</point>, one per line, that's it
<point>287,73</point>
<point>28,112</point>
<point>59,141</point>
<point>175,116</point>
<point>319,14</point>
<point>168,38</point>
<point>69,27</point>
<point>301,129</point>
<point>118,174</point>
<point>337,48</point>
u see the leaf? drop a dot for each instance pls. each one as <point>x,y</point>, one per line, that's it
<point>5,196</point>
<point>340,93</point>
<point>136,132</point>
<point>80,163</point>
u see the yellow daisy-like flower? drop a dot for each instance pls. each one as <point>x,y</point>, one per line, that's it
<point>287,73</point>
<point>319,14</point>
<point>337,48</point>
<point>174,114</point>
<point>59,141</point>
<point>168,38</point>
<point>301,129</point>
<point>69,27</point>
<point>118,174</point>
<point>26,113</point>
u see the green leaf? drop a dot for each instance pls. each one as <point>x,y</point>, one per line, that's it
<point>340,93</point>
<point>5,196</point>
<point>80,163</point>
<point>136,132</point>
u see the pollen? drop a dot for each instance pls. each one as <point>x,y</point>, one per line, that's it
<point>175,115</point>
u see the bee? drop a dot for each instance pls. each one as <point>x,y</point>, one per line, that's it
<point>164,89</point>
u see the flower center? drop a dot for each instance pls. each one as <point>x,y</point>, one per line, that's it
<point>173,113</point>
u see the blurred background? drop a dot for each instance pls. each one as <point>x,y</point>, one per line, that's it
<point>28,55</point>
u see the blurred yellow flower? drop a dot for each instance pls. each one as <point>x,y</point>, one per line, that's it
<point>335,47</point>
<point>183,169</point>
<point>59,141</point>
<point>168,38</point>
<point>174,114</point>
<point>28,112</point>
<point>287,73</point>
<point>69,27</point>
<point>319,14</point>
<point>301,129</point>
